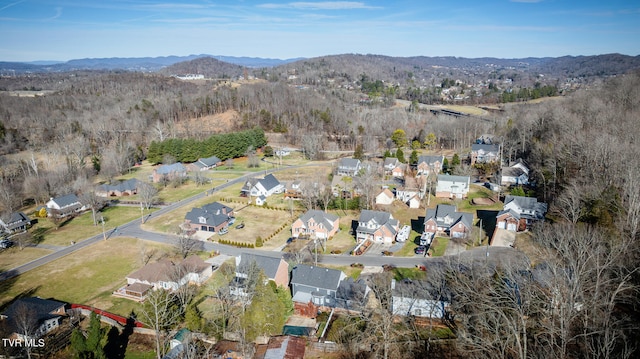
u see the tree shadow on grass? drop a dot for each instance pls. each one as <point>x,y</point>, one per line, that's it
<point>117,342</point>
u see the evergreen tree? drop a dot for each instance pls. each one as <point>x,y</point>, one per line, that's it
<point>89,346</point>
<point>400,155</point>
<point>413,159</point>
<point>359,152</point>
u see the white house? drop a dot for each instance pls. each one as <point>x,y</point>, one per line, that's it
<point>385,197</point>
<point>514,175</point>
<point>452,186</point>
<point>64,206</point>
<point>264,187</point>
<point>416,298</point>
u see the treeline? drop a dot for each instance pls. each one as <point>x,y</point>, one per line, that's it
<point>223,146</point>
<point>525,94</point>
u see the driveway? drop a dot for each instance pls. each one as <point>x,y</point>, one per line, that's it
<point>503,238</point>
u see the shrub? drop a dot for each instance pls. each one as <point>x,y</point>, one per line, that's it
<point>259,241</point>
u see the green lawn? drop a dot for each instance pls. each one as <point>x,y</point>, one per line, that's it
<point>82,227</point>
<point>438,246</point>
<point>88,276</point>
<point>408,249</point>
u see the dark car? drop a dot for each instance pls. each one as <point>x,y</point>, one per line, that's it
<point>420,250</point>
<point>5,243</point>
<point>290,240</point>
<point>240,226</point>
<point>387,253</point>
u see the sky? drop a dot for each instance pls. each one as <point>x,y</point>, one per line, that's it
<point>33,30</point>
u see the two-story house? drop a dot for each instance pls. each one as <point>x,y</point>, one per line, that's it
<point>377,226</point>
<point>483,153</point>
<point>211,217</point>
<point>315,224</point>
<point>449,186</point>
<point>447,220</point>
<point>349,167</point>
<point>264,187</point>
<point>520,212</point>
<point>317,285</point>
<point>427,165</point>
<point>515,175</point>
<point>16,222</point>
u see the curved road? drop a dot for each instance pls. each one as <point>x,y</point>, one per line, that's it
<point>488,255</point>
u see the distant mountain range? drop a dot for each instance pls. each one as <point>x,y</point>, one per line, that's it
<point>145,64</point>
<point>415,71</point>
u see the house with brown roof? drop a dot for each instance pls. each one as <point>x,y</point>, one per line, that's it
<point>385,197</point>
<point>165,274</point>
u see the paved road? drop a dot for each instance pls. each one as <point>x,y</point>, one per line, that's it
<point>490,255</point>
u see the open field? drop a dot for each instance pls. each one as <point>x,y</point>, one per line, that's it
<point>13,257</point>
<point>81,227</point>
<point>88,276</point>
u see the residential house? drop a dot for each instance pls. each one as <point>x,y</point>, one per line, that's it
<point>275,269</point>
<point>377,226</point>
<point>446,219</point>
<point>484,153</point>
<point>293,190</point>
<point>64,206</point>
<point>427,165</point>
<point>315,224</point>
<point>168,172</point>
<point>17,222</point>
<point>261,200</point>
<point>403,194</point>
<point>266,186</point>
<point>203,164</point>
<point>390,163</point>
<point>417,298</point>
<point>349,167</point>
<point>449,186</point>
<point>282,152</point>
<point>316,285</point>
<point>385,197</point>
<point>413,202</point>
<point>118,189</point>
<point>515,175</point>
<point>520,212</point>
<point>352,294</point>
<point>165,274</point>
<point>399,171</point>
<point>43,315</point>
<point>211,217</point>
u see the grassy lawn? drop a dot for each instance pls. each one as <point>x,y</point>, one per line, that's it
<point>82,227</point>
<point>472,110</point>
<point>88,276</point>
<point>410,273</point>
<point>408,249</point>
<point>13,257</point>
<point>438,246</point>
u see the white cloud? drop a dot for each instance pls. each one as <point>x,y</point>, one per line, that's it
<point>322,5</point>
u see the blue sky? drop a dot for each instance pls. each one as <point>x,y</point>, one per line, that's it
<point>70,29</point>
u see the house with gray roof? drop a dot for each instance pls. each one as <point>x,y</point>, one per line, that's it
<point>266,186</point>
<point>377,226</point>
<point>64,206</point>
<point>514,175</point>
<point>417,298</point>
<point>211,217</point>
<point>427,165</point>
<point>389,164</point>
<point>449,186</point>
<point>315,224</point>
<point>484,153</point>
<point>446,219</point>
<point>120,188</point>
<point>16,222</point>
<point>317,285</point>
<point>203,164</point>
<point>168,172</point>
<point>519,213</point>
<point>45,315</point>
<point>275,269</point>
<point>349,167</point>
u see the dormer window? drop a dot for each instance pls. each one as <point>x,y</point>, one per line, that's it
<point>202,220</point>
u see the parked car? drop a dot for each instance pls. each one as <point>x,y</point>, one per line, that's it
<point>224,231</point>
<point>290,240</point>
<point>420,249</point>
<point>387,253</point>
<point>240,226</point>
<point>232,220</point>
<point>5,243</point>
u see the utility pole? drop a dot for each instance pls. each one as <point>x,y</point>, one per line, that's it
<point>141,213</point>
<point>104,234</point>
<point>315,243</point>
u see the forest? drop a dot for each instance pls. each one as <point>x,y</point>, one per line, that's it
<point>576,298</point>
